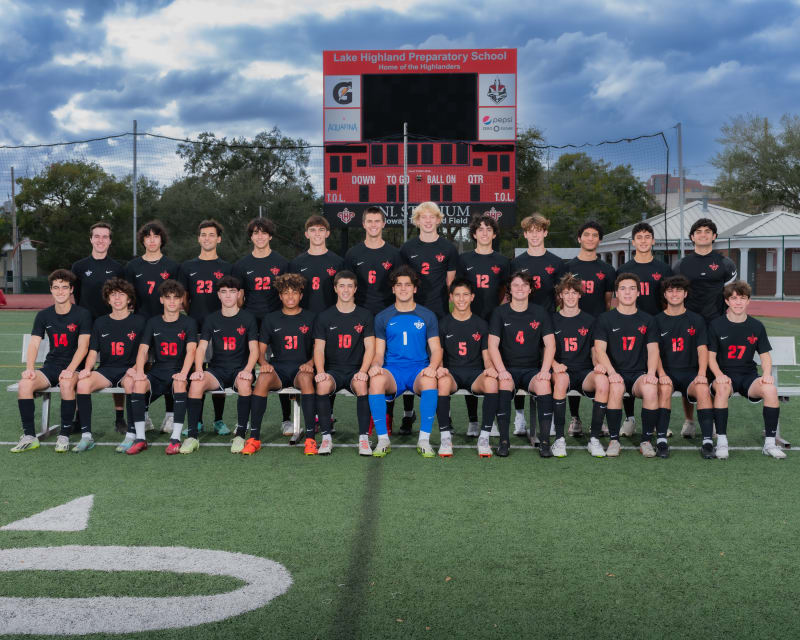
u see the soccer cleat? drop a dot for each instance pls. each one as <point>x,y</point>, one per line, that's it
<point>383,448</point>
<point>62,444</point>
<point>364,448</point>
<point>545,451</point>
<point>310,447</point>
<point>613,449</point>
<point>167,423</point>
<point>407,424</point>
<point>84,444</point>
<point>595,448</point>
<point>326,447</point>
<point>446,448</point>
<point>26,443</point>
<point>251,446</point>
<point>520,424</point>
<point>137,447</point>
<point>190,445</point>
<point>148,423</point>
<point>123,446</point>
<point>721,451</point>
<point>473,430</point>
<point>502,449</point>
<point>237,444</point>
<point>662,450</point>
<point>559,448</point>
<point>484,450</point>
<point>646,449</point>
<point>575,427</point>
<point>628,425</point>
<point>173,448</point>
<point>688,429</point>
<point>287,427</point>
<point>772,449</point>
<point>425,449</point>
<point>221,429</point>
<point>120,425</point>
<point>707,451</point>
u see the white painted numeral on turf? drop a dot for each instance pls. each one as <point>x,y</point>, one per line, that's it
<point>265,580</point>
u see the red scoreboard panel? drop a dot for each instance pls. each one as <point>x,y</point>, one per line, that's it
<point>460,106</point>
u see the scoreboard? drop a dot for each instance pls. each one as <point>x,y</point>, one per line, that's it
<point>461,110</point>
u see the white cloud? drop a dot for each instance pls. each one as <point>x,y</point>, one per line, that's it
<point>73,17</point>
<point>79,58</point>
<point>310,79</point>
<point>72,118</point>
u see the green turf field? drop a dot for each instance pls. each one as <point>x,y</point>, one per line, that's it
<point>411,548</point>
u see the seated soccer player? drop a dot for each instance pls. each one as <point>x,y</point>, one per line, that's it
<point>626,349</point>
<point>466,365</point>
<point>407,355</point>
<point>684,359</point>
<point>573,367</point>
<point>288,333</point>
<point>344,346</point>
<point>733,340</point>
<point>233,336</point>
<point>517,331</point>
<point>173,338</point>
<point>115,341</point>
<point>67,327</point>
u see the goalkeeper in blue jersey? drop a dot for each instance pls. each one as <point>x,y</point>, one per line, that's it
<point>407,355</point>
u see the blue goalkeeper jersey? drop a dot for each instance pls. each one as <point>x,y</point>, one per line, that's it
<point>406,334</point>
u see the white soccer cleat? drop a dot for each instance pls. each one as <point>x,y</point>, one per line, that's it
<point>595,448</point>
<point>688,429</point>
<point>364,448</point>
<point>627,428</point>
<point>721,451</point>
<point>167,423</point>
<point>287,427</point>
<point>484,450</point>
<point>473,430</point>
<point>772,449</point>
<point>446,448</point>
<point>613,449</point>
<point>575,427</point>
<point>326,447</point>
<point>646,449</point>
<point>559,448</point>
<point>520,424</point>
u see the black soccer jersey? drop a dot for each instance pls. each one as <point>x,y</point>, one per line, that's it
<point>521,334</point>
<point>431,261</point>
<point>735,343</point>
<point>344,335</point>
<point>257,276</point>
<point>464,341</point>
<point>318,272</point>
<point>546,270</point>
<point>598,279</point>
<point>229,337</point>
<point>708,275</point>
<point>372,268</point>
<point>488,273</point>
<point>168,340</point>
<point>117,341</point>
<point>574,340</point>
<point>678,339</point>
<point>651,274</point>
<point>199,277</point>
<point>146,277</point>
<point>91,275</point>
<point>627,337</point>
<point>291,338</point>
<point>62,331</point>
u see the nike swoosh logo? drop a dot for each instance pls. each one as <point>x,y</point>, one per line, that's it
<point>449,335</point>
<point>217,330</point>
<point>109,272</point>
<point>616,329</point>
<point>304,269</point>
<point>414,256</point>
<point>138,275</point>
<point>103,335</point>
<point>358,264</point>
<point>506,324</point>
<point>559,331</point>
<point>156,334</point>
<point>665,333</point>
<point>391,324</point>
<point>523,270</point>
<point>331,328</point>
<point>470,268</point>
<point>194,273</point>
<point>249,272</point>
<point>48,326</point>
<point>724,338</point>
<point>275,330</point>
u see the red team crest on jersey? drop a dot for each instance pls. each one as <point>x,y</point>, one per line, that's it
<point>132,336</point>
<point>218,274</point>
<point>72,326</point>
<point>583,331</point>
<point>476,336</point>
<point>164,275</point>
<point>535,324</point>
<point>359,328</point>
<point>656,277</point>
<point>752,339</point>
<point>713,266</point>
<point>275,271</point>
<point>600,276</point>
<point>495,269</point>
<point>241,330</point>
<point>643,329</point>
<point>440,257</point>
<point>691,331</point>
<point>304,329</point>
<point>549,270</point>
<point>386,265</point>
<point>182,335</point>
<point>331,271</point>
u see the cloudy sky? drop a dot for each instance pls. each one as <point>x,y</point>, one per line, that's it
<point>588,70</point>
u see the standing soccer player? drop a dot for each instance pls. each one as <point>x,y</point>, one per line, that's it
<point>734,339</point>
<point>115,341</point>
<point>517,332</point>
<point>173,338</point>
<point>68,328</point>
<point>435,260</point>
<point>626,349</point>
<point>684,359</point>
<point>545,269</point>
<point>598,284</point>
<point>651,273</point>
<point>407,355</point>
<point>258,270</point>
<point>199,277</point>
<point>574,367</point>
<point>233,336</point>
<point>344,346</point>
<point>466,365</point>
<point>318,265</point>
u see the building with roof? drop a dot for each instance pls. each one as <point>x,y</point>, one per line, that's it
<point>667,188</point>
<point>765,247</point>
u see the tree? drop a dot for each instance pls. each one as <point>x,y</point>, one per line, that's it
<point>759,167</point>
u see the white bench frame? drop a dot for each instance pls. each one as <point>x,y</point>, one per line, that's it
<point>783,355</point>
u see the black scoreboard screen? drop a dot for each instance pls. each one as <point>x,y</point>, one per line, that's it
<point>461,110</point>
